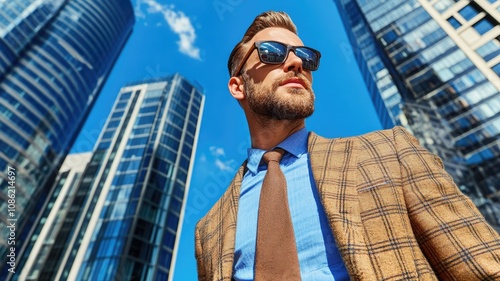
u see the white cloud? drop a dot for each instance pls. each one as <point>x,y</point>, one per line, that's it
<point>224,165</point>
<point>178,22</point>
<point>217,151</point>
<point>218,158</point>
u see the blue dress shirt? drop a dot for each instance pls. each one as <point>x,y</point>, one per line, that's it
<point>319,258</point>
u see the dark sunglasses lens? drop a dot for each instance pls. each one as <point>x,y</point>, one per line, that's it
<point>272,52</point>
<point>309,57</point>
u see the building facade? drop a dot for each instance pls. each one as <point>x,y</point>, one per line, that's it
<point>433,66</point>
<point>55,56</point>
<point>44,236</point>
<point>126,211</point>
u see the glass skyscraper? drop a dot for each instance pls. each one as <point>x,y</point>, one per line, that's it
<point>123,219</point>
<point>55,56</point>
<point>59,204</point>
<point>433,66</point>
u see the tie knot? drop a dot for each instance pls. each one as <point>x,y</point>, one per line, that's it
<point>273,155</point>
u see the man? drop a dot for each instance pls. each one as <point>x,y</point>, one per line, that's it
<point>373,207</point>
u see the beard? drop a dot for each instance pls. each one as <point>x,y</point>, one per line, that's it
<point>266,101</point>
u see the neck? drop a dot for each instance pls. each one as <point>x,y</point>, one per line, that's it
<point>266,134</point>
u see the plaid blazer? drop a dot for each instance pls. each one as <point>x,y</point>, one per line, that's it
<point>395,214</point>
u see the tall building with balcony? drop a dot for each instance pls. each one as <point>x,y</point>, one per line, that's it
<point>433,66</point>
<point>124,217</point>
<point>55,56</point>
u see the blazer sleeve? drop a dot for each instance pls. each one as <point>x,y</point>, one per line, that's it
<point>199,256</point>
<point>453,235</point>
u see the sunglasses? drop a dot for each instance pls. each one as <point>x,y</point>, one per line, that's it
<point>272,52</point>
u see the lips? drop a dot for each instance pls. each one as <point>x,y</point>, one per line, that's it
<point>294,82</point>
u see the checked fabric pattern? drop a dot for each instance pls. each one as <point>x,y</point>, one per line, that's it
<point>395,214</point>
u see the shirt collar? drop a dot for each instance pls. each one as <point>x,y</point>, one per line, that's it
<point>296,145</point>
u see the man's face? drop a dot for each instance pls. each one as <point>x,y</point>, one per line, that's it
<point>278,91</point>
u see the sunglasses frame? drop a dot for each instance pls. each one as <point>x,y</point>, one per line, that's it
<point>256,45</point>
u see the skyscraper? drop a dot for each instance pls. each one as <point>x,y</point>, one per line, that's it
<point>53,216</point>
<point>55,56</point>
<point>434,66</point>
<point>123,219</point>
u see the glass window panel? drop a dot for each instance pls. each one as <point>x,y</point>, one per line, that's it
<point>186,86</point>
<point>169,239</point>
<point>125,96</point>
<point>129,165</point>
<point>148,109</point>
<point>172,221</point>
<point>153,93</point>
<point>496,68</point>
<point>151,100</point>
<point>121,105</point>
<point>186,150</point>
<point>443,5</point>
<point>468,12</point>
<point>113,124</point>
<point>133,152</point>
<point>104,145</point>
<point>7,150</point>
<point>454,22</point>
<point>138,141</point>
<point>160,275</point>
<point>145,120</point>
<point>7,130</point>
<point>175,205</point>
<point>489,50</point>
<point>483,26</point>
<point>165,259</point>
<point>124,179</point>
<point>108,134</point>
<point>117,114</point>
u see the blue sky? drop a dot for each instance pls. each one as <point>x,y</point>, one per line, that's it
<point>195,39</point>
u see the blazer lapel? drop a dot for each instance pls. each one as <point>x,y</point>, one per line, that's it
<point>334,167</point>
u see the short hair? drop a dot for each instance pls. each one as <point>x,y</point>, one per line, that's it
<point>262,21</point>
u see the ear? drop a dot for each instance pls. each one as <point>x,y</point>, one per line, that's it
<point>235,86</point>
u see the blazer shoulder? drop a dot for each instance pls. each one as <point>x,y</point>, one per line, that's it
<point>369,144</point>
<point>386,135</point>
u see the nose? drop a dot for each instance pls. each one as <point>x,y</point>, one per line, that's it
<point>293,62</point>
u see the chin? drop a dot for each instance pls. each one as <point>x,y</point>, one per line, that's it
<point>296,91</point>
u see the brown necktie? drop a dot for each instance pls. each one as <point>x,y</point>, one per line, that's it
<point>276,254</point>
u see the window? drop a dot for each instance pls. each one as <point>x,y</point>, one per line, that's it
<point>443,5</point>
<point>108,135</point>
<point>125,96</point>
<point>483,26</point>
<point>133,152</point>
<point>138,141</point>
<point>142,120</point>
<point>454,22</point>
<point>496,68</point>
<point>489,50</point>
<point>121,105</point>
<point>153,93</point>
<point>7,150</point>
<point>172,221</point>
<point>389,37</point>
<point>468,12</point>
